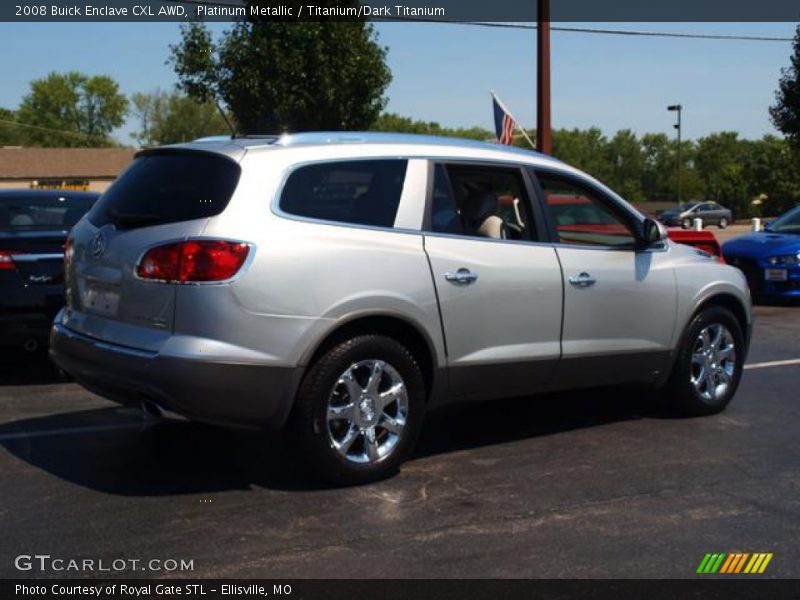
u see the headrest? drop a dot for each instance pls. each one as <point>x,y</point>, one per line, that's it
<point>479,202</point>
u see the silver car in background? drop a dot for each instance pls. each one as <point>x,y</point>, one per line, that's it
<point>338,285</point>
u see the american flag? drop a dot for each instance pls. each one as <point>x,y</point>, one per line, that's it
<point>504,125</point>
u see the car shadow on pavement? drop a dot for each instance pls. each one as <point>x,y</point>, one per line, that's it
<point>19,367</point>
<point>117,451</point>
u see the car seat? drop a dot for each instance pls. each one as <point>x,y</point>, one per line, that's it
<point>478,209</point>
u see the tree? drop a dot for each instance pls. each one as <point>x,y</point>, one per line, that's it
<point>719,164</point>
<point>785,113</point>
<point>169,118</point>
<point>279,76</point>
<point>626,160</point>
<point>72,109</point>
<point>391,122</point>
<point>10,133</point>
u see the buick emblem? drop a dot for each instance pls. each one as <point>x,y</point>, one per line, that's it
<point>98,245</point>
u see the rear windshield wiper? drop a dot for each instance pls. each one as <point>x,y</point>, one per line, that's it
<point>121,218</point>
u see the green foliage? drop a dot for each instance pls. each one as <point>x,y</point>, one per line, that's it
<point>10,134</point>
<point>72,109</point>
<point>391,122</point>
<point>785,112</point>
<point>169,118</point>
<point>277,76</point>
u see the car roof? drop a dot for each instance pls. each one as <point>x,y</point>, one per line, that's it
<point>235,146</point>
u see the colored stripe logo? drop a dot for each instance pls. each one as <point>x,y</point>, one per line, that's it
<point>734,563</point>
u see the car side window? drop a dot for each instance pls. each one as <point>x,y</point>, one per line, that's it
<point>583,216</point>
<point>360,192</point>
<point>480,201</point>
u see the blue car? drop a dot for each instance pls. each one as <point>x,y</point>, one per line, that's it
<point>770,259</point>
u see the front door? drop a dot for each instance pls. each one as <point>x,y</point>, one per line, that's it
<point>619,300</point>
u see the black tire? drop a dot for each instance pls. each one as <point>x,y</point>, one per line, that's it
<point>723,223</point>
<point>680,396</point>
<point>686,224</point>
<point>309,426</point>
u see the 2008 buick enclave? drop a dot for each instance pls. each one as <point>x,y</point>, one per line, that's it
<point>340,284</point>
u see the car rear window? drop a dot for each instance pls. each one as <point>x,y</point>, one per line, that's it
<point>361,192</point>
<point>166,188</point>
<point>34,211</point>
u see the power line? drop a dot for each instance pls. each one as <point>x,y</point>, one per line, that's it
<point>50,129</point>
<point>589,30</point>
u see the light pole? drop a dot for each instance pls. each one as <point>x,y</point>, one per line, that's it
<point>678,108</point>
<point>544,139</point>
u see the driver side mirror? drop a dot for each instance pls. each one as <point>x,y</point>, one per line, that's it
<point>652,232</point>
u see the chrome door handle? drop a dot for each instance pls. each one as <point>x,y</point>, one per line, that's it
<point>461,277</point>
<point>583,280</point>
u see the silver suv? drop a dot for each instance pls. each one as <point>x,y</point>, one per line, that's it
<point>341,284</point>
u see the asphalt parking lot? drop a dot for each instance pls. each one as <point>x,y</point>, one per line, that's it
<point>594,484</point>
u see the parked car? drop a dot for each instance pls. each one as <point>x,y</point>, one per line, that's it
<point>770,259</point>
<point>33,228</point>
<point>339,284</point>
<point>702,240</point>
<point>710,212</point>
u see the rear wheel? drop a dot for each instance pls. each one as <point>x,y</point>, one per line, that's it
<point>359,410</point>
<point>709,364</point>
<point>723,223</point>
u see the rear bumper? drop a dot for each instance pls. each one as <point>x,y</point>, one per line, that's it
<point>225,393</point>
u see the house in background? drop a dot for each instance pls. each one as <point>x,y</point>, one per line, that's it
<point>91,169</point>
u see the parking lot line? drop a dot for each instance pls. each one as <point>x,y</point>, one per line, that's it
<point>66,431</point>
<point>773,363</point>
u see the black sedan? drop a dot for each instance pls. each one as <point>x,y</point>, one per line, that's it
<point>33,229</point>
<point>710,212</point>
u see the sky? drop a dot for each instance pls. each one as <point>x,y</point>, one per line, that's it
<point>444,72</point>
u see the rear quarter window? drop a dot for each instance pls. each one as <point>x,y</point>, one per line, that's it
<point>168,187</point>
<point>361,192</point>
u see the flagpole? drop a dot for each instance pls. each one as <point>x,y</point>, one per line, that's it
<point>516,123</point>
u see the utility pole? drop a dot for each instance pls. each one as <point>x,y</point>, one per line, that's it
<point>544,139</point>
<point>678,108</point>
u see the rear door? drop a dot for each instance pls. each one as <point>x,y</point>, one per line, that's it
<point>164,196</point>
<point>500,299</point>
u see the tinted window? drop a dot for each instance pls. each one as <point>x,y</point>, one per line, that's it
<point>480,201</point>
<point>168,187</point>
<point>364,192</point>
<point>34,211</point>
<point>582,216</point>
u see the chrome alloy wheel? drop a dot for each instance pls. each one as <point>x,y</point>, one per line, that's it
<point>367,412</point>
<point>713,362</point>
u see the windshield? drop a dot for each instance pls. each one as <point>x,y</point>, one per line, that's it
<point>685,206</point>
<point>788,223</point>
<point>34,211</point>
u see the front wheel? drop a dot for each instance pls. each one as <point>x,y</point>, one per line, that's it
<point>686,224</point>
<point>709,365</point>
<point>359,409</point>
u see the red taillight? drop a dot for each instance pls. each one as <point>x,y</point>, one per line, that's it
<point>193,260</point>
<point>6,260</point>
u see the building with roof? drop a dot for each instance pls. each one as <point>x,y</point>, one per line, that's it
<point>90,169</point>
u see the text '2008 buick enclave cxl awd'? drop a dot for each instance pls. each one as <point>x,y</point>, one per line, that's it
<point>339,285</point>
